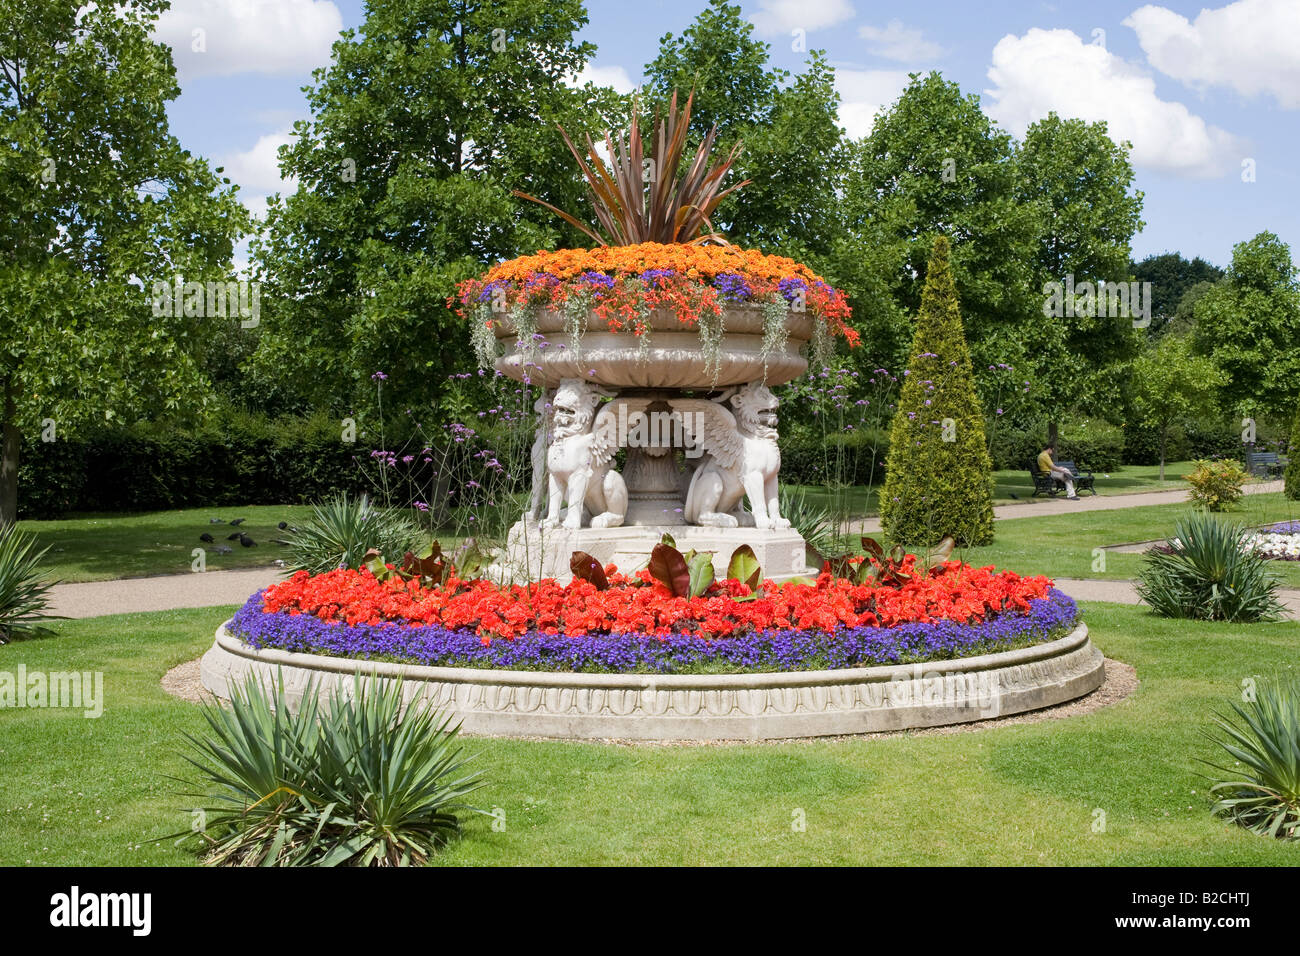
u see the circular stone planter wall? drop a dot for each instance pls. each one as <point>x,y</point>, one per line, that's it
<point>701,707</point>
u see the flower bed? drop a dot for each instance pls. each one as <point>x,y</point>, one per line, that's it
<point>1277,545</point>
<point>622,284</point>
<point>636,625</point>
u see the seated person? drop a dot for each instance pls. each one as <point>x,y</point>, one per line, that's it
<point>1047,465</point>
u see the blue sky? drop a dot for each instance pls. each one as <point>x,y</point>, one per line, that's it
<point>1200,91</point>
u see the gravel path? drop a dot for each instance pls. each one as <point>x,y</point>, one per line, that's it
<point>163,593</point>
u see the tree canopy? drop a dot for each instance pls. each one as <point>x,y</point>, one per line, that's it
<point>99,202</point>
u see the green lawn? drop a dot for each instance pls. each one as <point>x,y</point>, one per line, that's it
<point>1063,545</point>
<point>78,791</point>
<point>860,501</point>
<point>101,547</point>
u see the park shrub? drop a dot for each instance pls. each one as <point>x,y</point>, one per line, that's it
<point>343,528</point>
<point>355,778</point>
<point>1214,438</point>
<point>1208,572</point>
<point>1216,485</point>
<point>1261,790</point>
<point>836,459</point>
<point>24,588</point>
<point>938,473</point>
<point>1142,444</point>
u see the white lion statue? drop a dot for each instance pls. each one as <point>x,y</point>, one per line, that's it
<point>579,461</point>
<point>741,457</point>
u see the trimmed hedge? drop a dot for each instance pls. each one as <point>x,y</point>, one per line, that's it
<point>810,458</point>
<point>242,461</point>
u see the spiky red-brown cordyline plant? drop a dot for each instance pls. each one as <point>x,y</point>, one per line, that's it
<point>674,208</point>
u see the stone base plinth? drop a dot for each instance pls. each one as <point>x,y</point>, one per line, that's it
<point>766,706</point>
<point>535,552</point>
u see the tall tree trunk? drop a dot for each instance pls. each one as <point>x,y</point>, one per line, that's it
<point>1052,429</point>
<point>1164,432</point>
<point>9,445</point>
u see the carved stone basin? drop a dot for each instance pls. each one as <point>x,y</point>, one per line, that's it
<point>673,357</point>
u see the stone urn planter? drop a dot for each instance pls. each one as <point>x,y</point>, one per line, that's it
<point>671,356</point>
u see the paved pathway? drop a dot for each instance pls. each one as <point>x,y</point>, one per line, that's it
<point>1038,507</point>
<point>130,595</point>
<point>212,588</point>
<point>1125,592</point>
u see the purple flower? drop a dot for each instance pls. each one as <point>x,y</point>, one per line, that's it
<point>732,287</point>
<point>778,649</point>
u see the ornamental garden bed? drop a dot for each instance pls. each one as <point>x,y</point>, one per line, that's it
<point>626,657</point>
<point>636,625</point>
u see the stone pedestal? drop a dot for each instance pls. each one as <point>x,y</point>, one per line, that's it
<point>536,552</point>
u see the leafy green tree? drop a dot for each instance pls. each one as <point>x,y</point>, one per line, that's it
<point>792,142</point>
<point>720,59</point>
<point>423,123</point>
<point>1172,277</point>
<point>1249,325</point>
<point>938,477</point>
<point>1171,384</point>
<point>99,201</point>
<point>1080,182</point>
<point>934,163</point>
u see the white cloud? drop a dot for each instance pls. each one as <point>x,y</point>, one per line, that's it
<point>225,37</point>
<point>257,171</point>
<point>1250,46</point>
<point>776,17</point>
<point>1047,70</point>
<point>894,41</point>
<point>614,77</point>
<point>863,93</point>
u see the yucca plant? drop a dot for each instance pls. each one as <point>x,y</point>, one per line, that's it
<point>647,199</point>
<point>341,530</point>
<point>815,523</point>
<point>1261,792</point>
<point>355,779</point>
<point>1207,572</point>
<point>24,588</point>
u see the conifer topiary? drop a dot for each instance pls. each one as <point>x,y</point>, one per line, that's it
<point>938,473</point>
<point>1292,486</point>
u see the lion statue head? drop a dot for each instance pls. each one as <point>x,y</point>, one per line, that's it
<point>574,406</point>
<point>755,407</point>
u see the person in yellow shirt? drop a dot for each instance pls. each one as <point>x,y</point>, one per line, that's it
<point>1048,466</point>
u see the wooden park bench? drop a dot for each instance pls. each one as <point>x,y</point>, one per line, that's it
<point>1083,480</point>
<point>1046,484</point>
<point>1264,464</point>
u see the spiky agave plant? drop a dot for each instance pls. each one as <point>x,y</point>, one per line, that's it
<point>24,588</point>
<point>1261,791</point>
<point>646,199</point>
<point>353,779</point>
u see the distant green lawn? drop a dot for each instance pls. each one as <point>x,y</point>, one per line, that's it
<point>103,546</point>
<point>860,501</point>
<point>1063,545</point>
<point>78,791</point>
